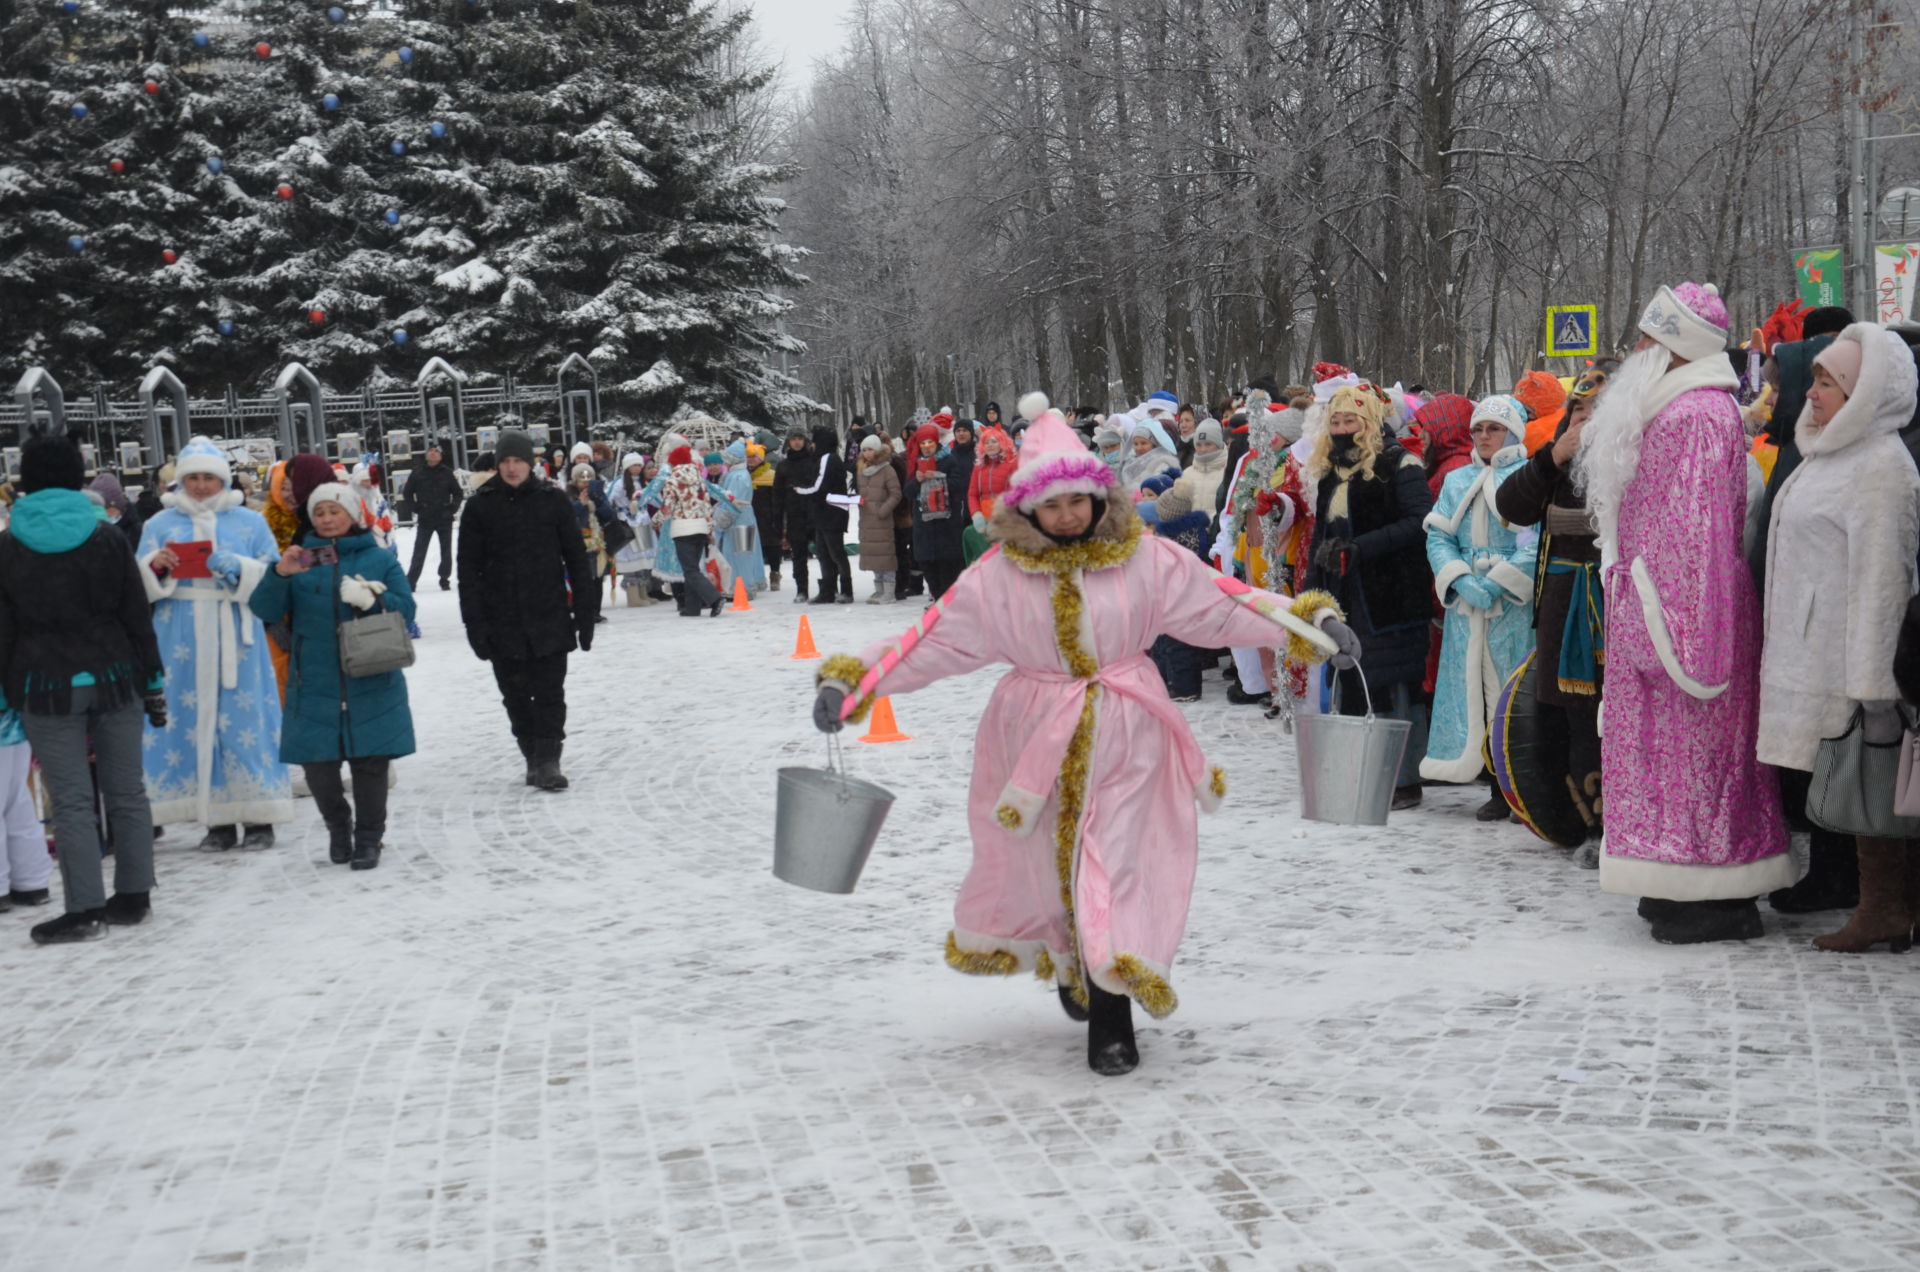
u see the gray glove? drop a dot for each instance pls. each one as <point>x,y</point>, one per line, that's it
<point>1349,656</point>
<point>826,708</point>
<point>1883,724</point>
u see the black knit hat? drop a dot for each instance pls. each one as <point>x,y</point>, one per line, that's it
<point>513,444</point>
<point>51,463</point>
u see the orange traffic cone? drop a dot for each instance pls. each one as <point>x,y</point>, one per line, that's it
<point>739,605</point>
<point>881,728</point>
<point>803,646</point>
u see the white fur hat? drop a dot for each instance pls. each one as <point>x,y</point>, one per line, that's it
<point>1505,410</point>
<point>1675,319</point>
<point>201,456</point>
<point>334,492</point>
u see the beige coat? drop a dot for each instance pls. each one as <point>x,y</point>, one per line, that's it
<point>879,496</point>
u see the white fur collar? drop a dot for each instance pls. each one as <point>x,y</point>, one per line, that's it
<point>1882,400</point>
<point>180,500</point>
<point>1646,384</point>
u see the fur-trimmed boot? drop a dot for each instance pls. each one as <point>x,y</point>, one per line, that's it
<point>1883,914</point>
<point>1110,1046</point>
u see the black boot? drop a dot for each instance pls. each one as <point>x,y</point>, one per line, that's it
<point>1241,698</point>
<point>1496,809</point>
<point>366,850</point>
<point>1833,878</point>
<point>546,767</point>
<point>1071,1005</point>
<point>29,896</point>
<point>1110,1048</point>
<point>1654,908</point>
<point>128,909</point>
<point>1405,797</point>
<point>219,839</point>
<point>339,842</point>
<point>526,749</point>
<point>257,837</point>
<point>80,925</point>
<point>1697,922</point>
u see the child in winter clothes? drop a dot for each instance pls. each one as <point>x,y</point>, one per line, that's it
<point>992,470</point>
<point>740,537</point>
<point>1079,742</point>
<point>933,483</point>
<point>879,495</point>
<point>634,560</point>
<point>28,865</point>
<point>338,572</point>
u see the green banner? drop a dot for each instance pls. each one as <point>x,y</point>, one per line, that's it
<point>1818,272</point>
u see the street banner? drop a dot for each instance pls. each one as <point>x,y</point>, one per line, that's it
<point>1894,265</point>
<point>1817,270</point>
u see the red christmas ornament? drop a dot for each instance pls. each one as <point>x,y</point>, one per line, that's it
<point>153,86</point>
<point>317,315</point>
<point>285,191</point>
<point>263,49</point>
<point>169,256</point>
<point>117,165</point>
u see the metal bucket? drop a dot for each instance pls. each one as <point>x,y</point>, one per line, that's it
<point>743,540</point>
<point>645,537</point>
<point>1349,766</point>
<point>824,827</point>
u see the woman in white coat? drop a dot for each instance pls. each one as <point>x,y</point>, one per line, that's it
<point>1840,567</point>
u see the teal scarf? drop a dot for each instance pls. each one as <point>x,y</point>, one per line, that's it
<point>1583,642</point>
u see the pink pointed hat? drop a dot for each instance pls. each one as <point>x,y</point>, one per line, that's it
<point>1053,460</point>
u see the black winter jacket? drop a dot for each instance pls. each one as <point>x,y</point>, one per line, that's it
<point>1387,591</point>
<point>63,613</point>
<point>526,586</point>
<point>433,494</point>
<point>795,473</point>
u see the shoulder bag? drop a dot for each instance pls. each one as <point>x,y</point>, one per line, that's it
<point>373,643</point>
<point>1854,784</point>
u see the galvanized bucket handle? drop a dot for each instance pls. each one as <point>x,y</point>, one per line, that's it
<point>1360,781</point>
<point>837,765</point>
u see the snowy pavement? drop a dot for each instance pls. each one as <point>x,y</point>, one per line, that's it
<point>590,1030</point>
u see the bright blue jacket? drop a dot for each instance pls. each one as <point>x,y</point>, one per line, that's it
<point>330,717</point>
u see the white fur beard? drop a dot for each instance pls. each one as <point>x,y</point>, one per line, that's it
<point>1610,443</point>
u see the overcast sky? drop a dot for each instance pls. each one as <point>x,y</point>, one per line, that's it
<point>800,31</point>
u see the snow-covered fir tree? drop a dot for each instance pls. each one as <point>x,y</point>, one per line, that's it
<point>586,199</point>
<point>101,118</point>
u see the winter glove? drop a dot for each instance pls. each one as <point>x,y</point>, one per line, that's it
<point>1265,502</point>
<point>584,634</point>
<point>1476,591</point>
<point>481,646</point>
<point>826,708</point>
<point>1349,656</point>
<point>1334,556</point>
<point>154,702</point>
<point>362,594</point>
<point>225,564</point>
<point>979,523</point>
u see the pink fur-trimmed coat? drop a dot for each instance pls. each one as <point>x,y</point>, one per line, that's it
<point>1131,857</point>
<point>1691,814</point>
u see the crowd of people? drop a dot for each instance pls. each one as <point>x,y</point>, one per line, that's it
<point>1664,608</point>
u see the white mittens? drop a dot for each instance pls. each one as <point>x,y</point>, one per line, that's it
<point>362,594</point>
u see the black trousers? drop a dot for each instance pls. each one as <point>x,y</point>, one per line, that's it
<point>423,535</point>
<point>369,818</point>
<point>908,581</point>
<point>941,575</point>
<point>698,593</point>
<point>799,547</point>
<point>831,545</point>
<point>534,692</point>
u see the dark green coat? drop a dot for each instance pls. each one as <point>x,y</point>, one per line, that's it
<point>324,722</point>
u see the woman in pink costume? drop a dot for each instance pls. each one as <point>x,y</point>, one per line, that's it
<point>1085,774</point>
<point>1693,822</point>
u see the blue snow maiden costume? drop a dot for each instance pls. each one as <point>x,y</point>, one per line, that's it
<point>217,760</point>
<point>1483,575</point>
<point>747,563</point>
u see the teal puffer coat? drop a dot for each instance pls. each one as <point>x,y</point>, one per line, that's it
<point>330,717</point>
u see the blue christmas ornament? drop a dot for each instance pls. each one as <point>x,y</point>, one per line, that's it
<point>331,101</point>
<point>79,111</point>
<point>437,128</point>
<point>201,39</point>
<point>393,217</point>
<point>336,15</point>
<point>215,164</point>
<point>399,336</point>
<point>406,55</point>
<point>77,243</point>
<point>399,147</point>
<point>226,326</point>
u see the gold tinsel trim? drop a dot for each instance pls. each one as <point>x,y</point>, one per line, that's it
<point>1092,554</point>
<point>1149,990</point>
<point>1067,603</point>
<point>1307,607</point>
<point>1218,782</point>
<point>1008,816</point>
<point>1043,966</point>
<point>980,962</point>
<point>850,671</point>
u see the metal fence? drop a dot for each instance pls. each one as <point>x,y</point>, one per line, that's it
<point>299,414</point>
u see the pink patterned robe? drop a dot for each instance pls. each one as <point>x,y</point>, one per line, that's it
<point>1690,814</point>
<point>1085,774</point>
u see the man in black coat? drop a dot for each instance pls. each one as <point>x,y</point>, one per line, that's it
<point>830,519</point>
<point>527,596</point>
<point>433,493</point>
<point>798,469</point>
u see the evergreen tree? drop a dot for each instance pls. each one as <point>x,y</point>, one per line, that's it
<point>114,307</point>
<point>585,199</point>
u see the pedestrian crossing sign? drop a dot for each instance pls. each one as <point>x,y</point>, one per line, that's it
<point>1570,330</point>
